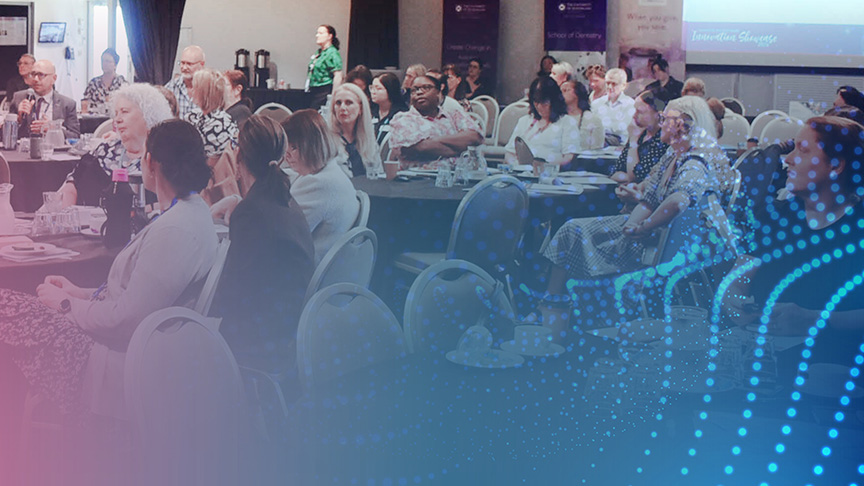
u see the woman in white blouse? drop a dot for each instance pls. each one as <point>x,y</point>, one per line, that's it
<point>592,134</point>
<point>550,133</point>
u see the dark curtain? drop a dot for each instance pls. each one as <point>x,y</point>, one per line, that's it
<point>153,29</point>
<point>373,39</point>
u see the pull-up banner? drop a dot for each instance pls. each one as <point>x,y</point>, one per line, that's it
<point>471,30</point>
<point>575,25</point>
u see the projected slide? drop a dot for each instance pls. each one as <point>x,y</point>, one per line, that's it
<point>766,32</point>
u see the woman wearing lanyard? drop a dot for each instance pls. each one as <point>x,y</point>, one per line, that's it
<point>325,67</point>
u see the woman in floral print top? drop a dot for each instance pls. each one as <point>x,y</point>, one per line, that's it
<point>100,88</point>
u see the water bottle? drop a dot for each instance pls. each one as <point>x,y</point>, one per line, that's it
<point>35,145</point>
<point>118,205</point>
<point>10,132</point>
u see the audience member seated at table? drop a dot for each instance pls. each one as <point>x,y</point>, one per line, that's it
<point>271,259</point>
<point>22,79</point>
<point>546,63</point>
<point>68,343</point>
<point>457,87</point>
<point>719,111</point>
<point>36,109</point>
<point>447,102</point>
<point>191,60</point>
<point>615,108</point>
<point>590,247</point>
<point>591,133</point>
<point>319,185</point>
<point>427,132</point>
<point>411,73</point>
<point>693,87</point>
<point>596,76</point>
<point>550,133</point>
<point>386,103</point>
<point>351,121</point>
<point>644,147</point>
<point>137,109</point>
<point>172,100</point>
<point>362,77</point>
<point>478,84</point>
<point>825,218</point>
<point>100,88</point>
<point>216,126</point>
<point>849,96</point>
<point>561,72</point>
<point>667,87</point>
<point>239,105</point>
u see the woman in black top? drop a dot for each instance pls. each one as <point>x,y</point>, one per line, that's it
<point>271,257</point>
<point>387,100</point>
<point>239,106</point>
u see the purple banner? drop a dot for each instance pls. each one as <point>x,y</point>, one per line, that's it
<point>471,30</point>
<point>576,26</point>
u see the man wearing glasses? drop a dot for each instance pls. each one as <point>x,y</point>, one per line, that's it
<point>191,60</point>
<point>38,107</point>
<point>17,83</point>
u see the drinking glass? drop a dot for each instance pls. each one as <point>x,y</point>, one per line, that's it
<point>46,150</point>
<point>549,173</point>
<point>51,202</point>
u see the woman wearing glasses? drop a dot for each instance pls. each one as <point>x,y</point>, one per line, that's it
<point>693,165</point>
<point>426,133</point>
<point>99,88</point>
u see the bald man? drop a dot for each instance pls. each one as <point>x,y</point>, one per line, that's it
<point>191,61</point>
<point>37,108</point>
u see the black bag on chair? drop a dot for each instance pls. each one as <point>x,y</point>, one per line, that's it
<point>91,181</point>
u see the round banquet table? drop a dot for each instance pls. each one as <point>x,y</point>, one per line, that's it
<point>88,270</point>
<point>32,177</point>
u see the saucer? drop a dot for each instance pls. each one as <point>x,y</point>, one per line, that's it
<point>551,349</point>
<point>491,358</point>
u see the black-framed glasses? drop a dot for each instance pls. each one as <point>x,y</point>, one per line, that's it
<point>423,88</point>
<point>188,63</point>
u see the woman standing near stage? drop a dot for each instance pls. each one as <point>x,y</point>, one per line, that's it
<point>325,67</point>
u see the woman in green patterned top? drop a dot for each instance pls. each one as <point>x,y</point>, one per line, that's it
<point>325,67</point>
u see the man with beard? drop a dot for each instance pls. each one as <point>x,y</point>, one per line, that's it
<point>191,61</point>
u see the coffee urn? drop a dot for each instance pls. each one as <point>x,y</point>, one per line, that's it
<point>262,68</point>
<point>241,61</point>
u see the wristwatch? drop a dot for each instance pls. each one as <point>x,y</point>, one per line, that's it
<point>65,306</point>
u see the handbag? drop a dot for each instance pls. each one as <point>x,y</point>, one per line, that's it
<point>91,180</point>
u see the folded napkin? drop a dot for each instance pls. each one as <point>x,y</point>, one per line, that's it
<point>553,189</point>
<point>55,254</point>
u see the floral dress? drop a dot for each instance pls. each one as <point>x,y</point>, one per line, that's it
<point>97,94</point>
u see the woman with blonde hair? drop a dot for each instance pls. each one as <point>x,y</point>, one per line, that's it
<point>318,183</point>
<point>215,124</point>
<point>351,121</point>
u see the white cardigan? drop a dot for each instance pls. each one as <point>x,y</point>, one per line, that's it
<point>329,202</point>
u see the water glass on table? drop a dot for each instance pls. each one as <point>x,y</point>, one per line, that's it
<point>548,173</point>
<point>46,150</point>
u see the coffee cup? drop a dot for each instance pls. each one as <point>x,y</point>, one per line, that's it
<point>391,167</point>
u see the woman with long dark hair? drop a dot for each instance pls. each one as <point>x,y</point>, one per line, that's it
<point>325,66</point>
<point>550,133</point>
<point>387,101</point>
<point>591,131</point>
<point>272,257</point>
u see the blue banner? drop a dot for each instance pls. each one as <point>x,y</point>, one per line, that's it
<point>575,26</point>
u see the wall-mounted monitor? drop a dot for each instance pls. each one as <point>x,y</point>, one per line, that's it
<point>52,32</point>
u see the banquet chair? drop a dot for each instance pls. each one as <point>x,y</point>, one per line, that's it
<point>103,128</point>
<point>761,120</point>
<point>5,174</point>
<point>363,214</point>
<point>448,298</point>
<point>780,130</point>
<point>275,111</point>
<point>185,399</point>
<point>351,259</point>
<point>735,105</point>
<point>479,108</point>
<point>492,111</point>
<point>760,170</point>
<point>735,129</point>
<point>505,125</point>
<point>486,229</point>
<point>344,328</point>
<point>480,119</point>
<point>211,283</point>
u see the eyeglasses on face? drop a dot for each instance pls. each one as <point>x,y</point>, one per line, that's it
<point>25,63</point>
<point>423,88</point>
<point>38,75</point>
<point>188,63</point>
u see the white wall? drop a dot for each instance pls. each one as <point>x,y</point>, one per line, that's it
<point>71,75</point>
<point>283,27</point>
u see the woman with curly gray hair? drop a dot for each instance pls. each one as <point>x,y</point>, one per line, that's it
<point>136,109</point>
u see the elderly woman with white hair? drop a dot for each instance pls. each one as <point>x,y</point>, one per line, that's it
<point>136,108</point>
<point>590,247</point>
<point>351,121</point>
<point>615,108</point>
<point>215,124</point>
<point>561,72</point>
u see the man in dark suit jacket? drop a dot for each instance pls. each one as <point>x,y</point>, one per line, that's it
<point>35,114</point>
<point>17,83</point>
